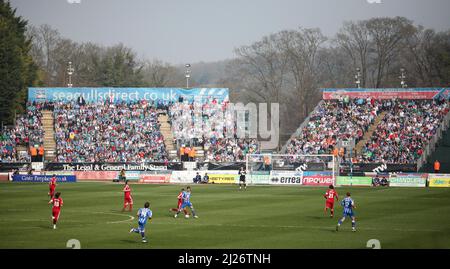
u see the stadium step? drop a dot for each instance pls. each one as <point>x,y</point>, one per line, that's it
<point>166,130</point>
<point>49,134</point>
<point>369,132</point>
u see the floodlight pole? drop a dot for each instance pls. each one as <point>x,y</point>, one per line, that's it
<point>70,71</point>
<point>357,77</point>
<point>402,78</point>
<point>187,74</point>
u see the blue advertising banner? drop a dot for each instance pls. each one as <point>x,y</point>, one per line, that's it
<point>317,173</point>
<point>125,94</point>
<point>42,178</point>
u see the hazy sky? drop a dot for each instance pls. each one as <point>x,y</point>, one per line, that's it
<point>187,31</point>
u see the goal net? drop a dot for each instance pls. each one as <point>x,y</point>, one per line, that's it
<point>287,169</point>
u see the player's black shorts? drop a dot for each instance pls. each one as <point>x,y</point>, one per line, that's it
<point>242,178</point>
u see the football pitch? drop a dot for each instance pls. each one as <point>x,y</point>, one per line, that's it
<point>262,217</point>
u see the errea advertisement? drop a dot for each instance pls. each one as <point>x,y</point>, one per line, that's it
<point>307,178</point>
<point>286,177</point>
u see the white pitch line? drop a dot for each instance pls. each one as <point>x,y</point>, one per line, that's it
<point>117,214</point>
<point>304,227</point>
<point>130,218</point>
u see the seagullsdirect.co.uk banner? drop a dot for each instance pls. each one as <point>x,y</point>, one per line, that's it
<point>127,95</point>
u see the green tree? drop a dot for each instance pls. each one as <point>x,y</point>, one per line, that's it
<point>17,69</point>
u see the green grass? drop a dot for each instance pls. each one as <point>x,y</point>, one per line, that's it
<point>260,217</point>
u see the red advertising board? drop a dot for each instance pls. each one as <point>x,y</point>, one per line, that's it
<point>317,180</point>
<point>154,178</point>
<point>95,175</point>
<point>4,176</point>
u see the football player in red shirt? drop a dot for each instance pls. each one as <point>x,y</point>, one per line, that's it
<point>128,199</point>
<point>57,203</point>
<point>52,186</point>
<point>180,202</point>
<point>330,195</point>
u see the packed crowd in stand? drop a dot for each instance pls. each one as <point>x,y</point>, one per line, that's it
<point>130,132</point>
<point>404,131</point>
<point>8,145</point>
<point>109,132</point>
<point>230,149</point>
<point>400,137</point>
<point>27,132</point>
<point>333,120</point>
<point>213,125</point>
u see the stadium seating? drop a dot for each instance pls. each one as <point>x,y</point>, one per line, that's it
<point>404,131</point>
<point>230,150</point>
<point>131,132</point>
<point>108,132</point>
<point>27,131</point>
<point>128,132</point>
<point>8,144</point>
<point>210,124</point>
<point>334,120</point>
<point>400,137</point>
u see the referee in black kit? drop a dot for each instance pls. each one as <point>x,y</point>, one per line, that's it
<point>242,174</point>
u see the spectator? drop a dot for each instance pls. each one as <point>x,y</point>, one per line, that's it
<point>191,154</point>
<point>437,166</point>
<point>187,151</point>
<point>41,153</point>
<point>205,179</point>
<point>33,153</point>
<point>122,175</point>
<point>81,101</point>
<point>182,156</point>
<point>376,181</point>
<point>198,178</point>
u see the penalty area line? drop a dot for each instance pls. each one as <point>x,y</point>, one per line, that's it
<point>301,227</point>
<point>130,218</point>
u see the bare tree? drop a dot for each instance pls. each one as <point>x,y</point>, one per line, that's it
<point>301,48</point>
<point>264,65</point>
<point>159,74</point>
<point>387,35</point>
<point>47,39</point>
<point>354,39</point>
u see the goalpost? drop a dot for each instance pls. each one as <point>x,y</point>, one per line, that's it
<point>292,169</point>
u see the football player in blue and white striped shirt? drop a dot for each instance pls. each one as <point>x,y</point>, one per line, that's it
<point>143,215</point>
<point>348,205</point>
<point>186,196</point>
